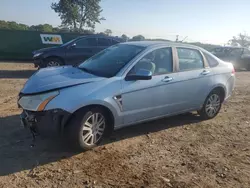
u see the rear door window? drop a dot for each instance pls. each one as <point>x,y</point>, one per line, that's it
<point>104,42</point>
<point>189,59</point>
<point>86,42</point>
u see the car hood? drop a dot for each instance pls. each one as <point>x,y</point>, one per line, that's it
<point>57,77</point>
<point>46,49</point>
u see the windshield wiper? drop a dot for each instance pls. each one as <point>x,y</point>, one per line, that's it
<point>87,70</point>
<point>84,69</point>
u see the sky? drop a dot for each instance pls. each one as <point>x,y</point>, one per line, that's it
<point>208,21</point>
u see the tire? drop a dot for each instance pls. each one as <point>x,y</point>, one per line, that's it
<point>53,62</point>
<point>212,105</point>
<point>80,129</point>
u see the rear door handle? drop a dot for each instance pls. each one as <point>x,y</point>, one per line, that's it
<point>205,72</point>
<point>167,79</point>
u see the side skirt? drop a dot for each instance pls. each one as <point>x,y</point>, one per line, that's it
<point>154,118</point>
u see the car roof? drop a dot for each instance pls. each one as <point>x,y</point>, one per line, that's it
<point>160,43</point>
<point>99,35</point>
<point>231,47</point>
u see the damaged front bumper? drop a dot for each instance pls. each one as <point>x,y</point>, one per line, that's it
<point>38,62</point>
<point>49,123</point>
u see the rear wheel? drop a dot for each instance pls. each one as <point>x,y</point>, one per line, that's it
<point>53,62</point>
<point>212,105</point>
<point>87,128</point>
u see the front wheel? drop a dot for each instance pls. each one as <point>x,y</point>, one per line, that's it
<point>87,128</point>
<point>211,106</point>
<point>53,62</point>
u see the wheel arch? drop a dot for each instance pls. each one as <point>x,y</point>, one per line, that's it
<point>55,56</point>
<point>221,89</point>
<point>108,112</point>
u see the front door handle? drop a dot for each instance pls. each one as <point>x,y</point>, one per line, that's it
<point>205,72</point>
<point>167,79</point>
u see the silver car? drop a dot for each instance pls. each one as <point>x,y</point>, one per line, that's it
<point>125,84</point>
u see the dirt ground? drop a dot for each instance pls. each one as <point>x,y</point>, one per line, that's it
<point>181,151</point>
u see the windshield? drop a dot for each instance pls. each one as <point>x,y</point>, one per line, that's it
<point>110,61</point>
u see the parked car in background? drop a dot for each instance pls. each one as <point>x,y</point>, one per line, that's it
<point>73,52</point>
<point>240,57</point>
<point>125,84</point>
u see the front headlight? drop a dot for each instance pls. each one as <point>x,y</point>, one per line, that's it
<point>37,54</point>
<point>37,102</point>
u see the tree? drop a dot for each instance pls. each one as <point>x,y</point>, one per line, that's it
<point>62,29</point>
<point>42,28</point>
<point>46,28</point>
<point>108,32</point>
<point>89,32</point>
<point>12,25</point>
<point>4,24</point>
<point>23,27</point>
<point>125,37</point>
<point>242,40</point>
<point>101,33</point>
<point>78,14</point>
<point>138,38</point>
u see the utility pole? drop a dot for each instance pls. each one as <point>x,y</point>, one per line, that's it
<point>177,38</point>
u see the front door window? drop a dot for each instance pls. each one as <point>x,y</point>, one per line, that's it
<point>159,61</point>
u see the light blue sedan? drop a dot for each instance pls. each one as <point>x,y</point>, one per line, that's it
<point>125,84</point>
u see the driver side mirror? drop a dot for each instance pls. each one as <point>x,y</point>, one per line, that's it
<point>141,74</point>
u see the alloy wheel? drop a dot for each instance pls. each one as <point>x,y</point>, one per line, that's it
<point>212,105</point>
<point>93,129</point>
<point>53,64</point>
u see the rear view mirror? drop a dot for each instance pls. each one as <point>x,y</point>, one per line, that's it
<point>141,74</point>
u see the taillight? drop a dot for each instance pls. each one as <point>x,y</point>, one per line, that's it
<point>233,70</point>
